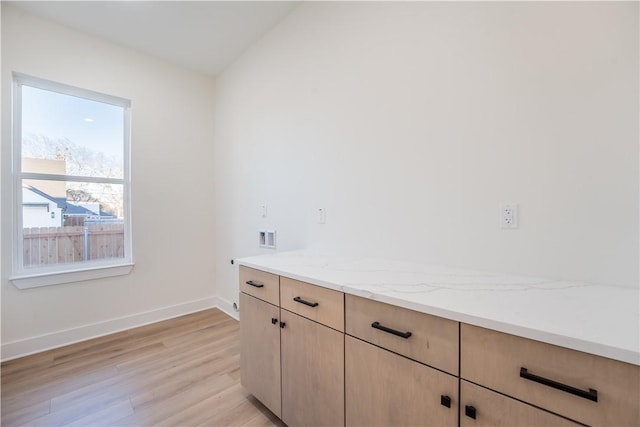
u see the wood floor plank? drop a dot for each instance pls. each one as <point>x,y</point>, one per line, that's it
<point>107,416</point>
<point>27,364</point>
<point>198,413</point>
<point>155,412</point>
<point>147,377</point>
<point>77,369</point>
<point>179,383</point>
<point>207,332</point>
<point>81,363</point>
<point>236,412</point>
<point>80,409</point>
<point>25,414</point>
<point>266,417</point>
<point>179,372</point>
<point>174,355</point>
<point>45,389</point>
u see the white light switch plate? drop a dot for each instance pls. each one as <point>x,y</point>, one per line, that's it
<point>322,216</point>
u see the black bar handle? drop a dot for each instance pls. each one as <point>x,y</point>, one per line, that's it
<point>301,301</point>
<point>254,284</point>
<point>470,411</point>
<point>590,395</point>
<point>404,335</point>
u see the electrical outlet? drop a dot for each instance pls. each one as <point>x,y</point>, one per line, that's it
<point>509,215</point>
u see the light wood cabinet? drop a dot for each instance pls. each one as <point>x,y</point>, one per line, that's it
<point>260,284</point>
<point>428,339</point>
<point>485,408</point>
<point>388,382</point>
<point>315,356</point>
<point>260,351</point>
<point>323,305</point>
<point>312,373</point>
<point>589,389</point>
<point>386,389</point>
<point>292,364</point>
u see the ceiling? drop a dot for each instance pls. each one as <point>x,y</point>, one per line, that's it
<point>205,36</point>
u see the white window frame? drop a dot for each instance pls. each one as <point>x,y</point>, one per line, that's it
<point>55,274</point>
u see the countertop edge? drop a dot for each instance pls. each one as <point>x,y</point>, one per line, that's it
<point>598,349</point>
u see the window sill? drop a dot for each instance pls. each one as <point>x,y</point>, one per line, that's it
<point>36,280</point>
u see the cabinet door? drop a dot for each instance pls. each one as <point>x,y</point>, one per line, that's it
<point>312,373</point>
<point>386,389</point>
<point>481,407</point>
<point>260,351</point>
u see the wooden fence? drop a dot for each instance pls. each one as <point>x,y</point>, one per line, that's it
<point>57,245</point>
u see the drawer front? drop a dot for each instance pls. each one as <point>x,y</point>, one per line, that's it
<point>554,378</point>
<point>323,305</point>
<point>260,284</point>
<point>480,407</point>
<point>432,341</point>
<point>385,389</point>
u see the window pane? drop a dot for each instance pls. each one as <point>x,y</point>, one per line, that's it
<point>67,222</point>
<point>68,135</point>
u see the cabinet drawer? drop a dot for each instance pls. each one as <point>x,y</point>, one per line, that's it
<point>260,284</point>
<point>323,305</point>
<point>480,407</point>
<point>561,380</point>
<point>428,339</point>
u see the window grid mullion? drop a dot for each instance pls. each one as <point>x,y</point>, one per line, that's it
<point>71,178</point>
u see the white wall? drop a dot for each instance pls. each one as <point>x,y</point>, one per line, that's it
<point>172,188</point>
<point>411,122</point>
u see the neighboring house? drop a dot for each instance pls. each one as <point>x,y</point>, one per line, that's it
<point>39,209</point>
<point>43,210</point>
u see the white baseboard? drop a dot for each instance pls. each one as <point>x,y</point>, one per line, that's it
<point>25,347</point>
<point>227,307</point>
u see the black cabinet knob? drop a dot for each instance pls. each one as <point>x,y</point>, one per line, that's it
<point>470,411</point>
<point>282,324</point>
<point>445,401</point>
<point>274,320</point>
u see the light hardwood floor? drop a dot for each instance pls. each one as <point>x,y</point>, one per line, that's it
<point>180,372</point>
